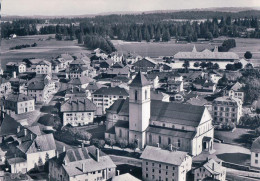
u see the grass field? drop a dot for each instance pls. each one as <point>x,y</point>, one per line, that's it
<point>240,136</point>
<point>47,49</point>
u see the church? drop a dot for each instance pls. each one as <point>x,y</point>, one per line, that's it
<point>143,121</point>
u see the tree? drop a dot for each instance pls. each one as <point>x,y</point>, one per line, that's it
<point>203,65</point>
<point>209,65</point>
<point>248,55</point>
<point>238,65</point>
<point>133,145</point>
<point>209,36</point>
<point>101,144</point>
<point>186,65</point>
<point>166,36</point>
<point>40,162</point>
<point>122,143</point>
<point>216,66</point>
<point>223,81</point>
<point>230,67</point>
<point>111,142</point>
<point>196,64</point>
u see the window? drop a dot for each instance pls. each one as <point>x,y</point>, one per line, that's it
<point>153,176</point>
<point>256,155</point>
<point>159,171</point>
<point>147,169</point>
<point>146,163</point>
<point>150,138</point>
<point>166,173</point>
<point>145,94</point>
<point>169,141</point>
<point>179,143</point>
<point>153,164</point>
<point>173,168</point>
<point>120,133</point>
<point>160,140</point>
<point>160,165</point>
<point>146,175</point>
<point>256,161</point>
<point>136,94</point>
<point>166,167</point>
<point>153,170</point>
<point>222,109</point>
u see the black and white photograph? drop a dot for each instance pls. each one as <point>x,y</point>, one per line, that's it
<point>130,90</point>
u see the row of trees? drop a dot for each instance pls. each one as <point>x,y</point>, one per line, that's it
<point>137,28</point>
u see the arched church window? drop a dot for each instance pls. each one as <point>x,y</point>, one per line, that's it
<point>120,133</point>
<point>136,94</point>
<point>160,140</point>
<point>179,143</point>
<point>169,141</point>
<point>150,138</point>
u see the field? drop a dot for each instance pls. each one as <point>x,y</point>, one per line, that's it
<point>47,49</point>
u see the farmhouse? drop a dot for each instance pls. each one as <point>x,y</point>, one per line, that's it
<point>206,55</point>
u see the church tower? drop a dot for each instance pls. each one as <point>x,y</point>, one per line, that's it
<point>139,109</point>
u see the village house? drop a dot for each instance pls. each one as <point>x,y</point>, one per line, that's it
<point>203,86</point>
<point>168,165</point>
<point>145,65</point>
<point>18,67</point>
<point>116,57</point>
<point>125,177</point>
<point>63,61</point>
<point>41,66</point>
<point>222,58</point>
<point>236,90</point>
<point>19,103</point>
<point>143,121</point>
<point>210,170</point>
<point>76,92</point>
<point>212,76</point>
<point>104,97</point>
<point>157,95</point>
<point>175,86</point>
<point>78,111</point>
<point>227,110</point>
<point>5,87</point>
<point>28,148</point>
<point>81,82</point>
<point>81,164</point>
<point>120,80</point>
<point>41,88</point>
<point>255,153</point>
<point>154,80</point>
<point>79,68</point>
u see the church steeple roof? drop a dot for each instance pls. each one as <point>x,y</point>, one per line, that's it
<point>139,80</point>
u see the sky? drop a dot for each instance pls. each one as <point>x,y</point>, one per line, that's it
<point>83,7</point>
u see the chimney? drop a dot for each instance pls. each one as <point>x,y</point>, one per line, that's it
<point>64,149</point>
<point>213,166</point>
<point>158,145</point>
<point>25,132</point>
<point>14,74</point>
<point>18,129</point>
<point>83,167</point>
<point>57,154</point>
<point>118,172</point>
<point>97,154</point>
<point>31,137</point>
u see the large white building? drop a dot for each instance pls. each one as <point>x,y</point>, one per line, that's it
<point>227,110</point>
<point>167,165</point>
<point>78,111</point>
<point>19,103</point>
<point>82,164</point>
<point>144,121</point>
<point>41,66</point>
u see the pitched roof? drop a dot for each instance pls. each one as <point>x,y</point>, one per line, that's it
<point>18,98</point>
<point>81,81</point>
<point>42,143</point>
<point>213,167</point>
<point>73,159</point>
<point>122,124</point>
<point>166,156</point>
<point>94,86</point>
<point>120,107</point>
<point>125,177</point>
<point>16,160</point>
<point>36,85</point>
<point>139,81</point>
<point>9,126</point>
<point>256,145</point>
<point>78,104</point>
<point>118,71</point>
<point>111,91</point>
<point>206,54</point>
<point>177,113</point>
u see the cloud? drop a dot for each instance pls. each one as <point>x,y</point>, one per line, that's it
<point>79,7</point>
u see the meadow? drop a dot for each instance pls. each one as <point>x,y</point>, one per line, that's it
<point>47,48</point>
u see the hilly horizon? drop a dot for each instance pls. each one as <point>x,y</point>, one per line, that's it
<point>212,9</point>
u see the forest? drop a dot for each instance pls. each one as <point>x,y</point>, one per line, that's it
<point>143,27</point>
